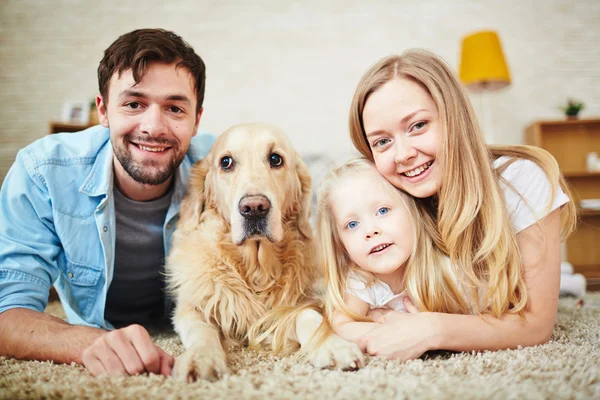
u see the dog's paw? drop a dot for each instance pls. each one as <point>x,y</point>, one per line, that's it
<point>201,362</point>
<point>336,352</point>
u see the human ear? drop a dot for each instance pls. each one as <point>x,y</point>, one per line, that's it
<point>102,112</point>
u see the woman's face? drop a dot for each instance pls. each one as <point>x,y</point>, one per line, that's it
<point>404,133</point>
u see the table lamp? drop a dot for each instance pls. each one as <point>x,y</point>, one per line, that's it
<point>483,68</point>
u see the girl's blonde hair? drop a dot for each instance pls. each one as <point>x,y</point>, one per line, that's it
<point>469,220</point>
<point>421,275</point>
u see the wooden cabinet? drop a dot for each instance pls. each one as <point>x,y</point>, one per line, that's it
<point>570,141</point>
<point>58,127</point>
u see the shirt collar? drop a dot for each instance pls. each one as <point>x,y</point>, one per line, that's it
<point>99,181</point>
<point>181,179</point>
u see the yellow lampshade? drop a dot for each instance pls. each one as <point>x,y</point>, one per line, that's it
<point>482,63</point>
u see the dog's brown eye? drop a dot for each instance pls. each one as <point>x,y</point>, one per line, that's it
<point>226,163</point>
<point>276,160</point>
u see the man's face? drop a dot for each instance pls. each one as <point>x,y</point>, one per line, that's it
<point>151,123</point>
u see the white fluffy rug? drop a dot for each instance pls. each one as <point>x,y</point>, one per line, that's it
<point>568,367</point>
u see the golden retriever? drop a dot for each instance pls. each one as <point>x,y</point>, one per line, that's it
<point>243,247</point>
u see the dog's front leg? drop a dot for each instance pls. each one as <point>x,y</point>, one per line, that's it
<point>204,357</point>
<point>333,351</point>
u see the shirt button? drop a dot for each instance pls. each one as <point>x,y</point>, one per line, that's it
<point>70,275</point>
<point>105,229</point>
<point>169,225</point>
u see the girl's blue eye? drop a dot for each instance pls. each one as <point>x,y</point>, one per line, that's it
<point>383,210</point>
<point>352,224</point>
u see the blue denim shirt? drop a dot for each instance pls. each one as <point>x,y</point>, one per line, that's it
<point>57,223</point>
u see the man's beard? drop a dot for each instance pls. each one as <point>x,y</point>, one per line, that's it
<point>148,172</point>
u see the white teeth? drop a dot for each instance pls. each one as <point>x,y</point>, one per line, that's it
<point>152,149</point>
<point>418,170</point>
<point>379,248</point>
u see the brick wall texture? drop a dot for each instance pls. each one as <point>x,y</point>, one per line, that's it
<point>294,64</point>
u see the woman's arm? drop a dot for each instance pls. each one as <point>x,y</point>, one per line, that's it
<point>407,336</point>
<point>346,327</point>
<point>541,263</point>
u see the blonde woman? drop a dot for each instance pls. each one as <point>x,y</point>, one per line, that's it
<point>499,214</point>
<point>370,248</point>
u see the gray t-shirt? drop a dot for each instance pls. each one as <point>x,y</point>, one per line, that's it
<point>137,291</point>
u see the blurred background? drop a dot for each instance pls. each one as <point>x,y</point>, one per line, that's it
<point>295,64</point>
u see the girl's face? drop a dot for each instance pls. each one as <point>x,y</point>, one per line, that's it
<point>404,133</point>
<point>373,224</point>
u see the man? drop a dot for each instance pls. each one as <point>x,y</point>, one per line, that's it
<point>93,212</point>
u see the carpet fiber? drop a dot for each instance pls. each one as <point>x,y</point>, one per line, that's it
<point>568,367</point>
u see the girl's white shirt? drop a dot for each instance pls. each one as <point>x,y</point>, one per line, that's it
<point>377,294</point>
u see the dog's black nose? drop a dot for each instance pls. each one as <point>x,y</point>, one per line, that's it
<point>254,206</point>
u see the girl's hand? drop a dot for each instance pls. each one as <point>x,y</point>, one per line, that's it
<point>383,315</point>
<point>401,336</point>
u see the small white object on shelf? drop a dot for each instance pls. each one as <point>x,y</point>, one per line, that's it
<point>592,161</point>
<point>590,204</point>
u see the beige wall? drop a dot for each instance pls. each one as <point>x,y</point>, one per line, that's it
<point>293,64</point>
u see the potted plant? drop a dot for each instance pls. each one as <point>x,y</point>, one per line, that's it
<point>573,108</point>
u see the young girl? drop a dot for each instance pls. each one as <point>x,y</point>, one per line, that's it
<point>495,211</point>
<point>374,250</point>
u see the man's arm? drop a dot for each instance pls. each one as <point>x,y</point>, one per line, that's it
<point>29,247</point>
<point>30,335</point>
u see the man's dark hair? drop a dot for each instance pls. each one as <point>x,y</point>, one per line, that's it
<point>136,50</point>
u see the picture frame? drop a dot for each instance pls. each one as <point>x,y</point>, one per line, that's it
<point>76,112</point>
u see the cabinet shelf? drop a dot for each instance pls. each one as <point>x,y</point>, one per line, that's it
<point>570,141</point>
<point>559,122</point>
<point>58,127</point>
<point>581,174</point>
<point>587,212</point>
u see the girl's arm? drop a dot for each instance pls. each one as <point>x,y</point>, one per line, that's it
<point>346,327</point>
<point>407,336</point>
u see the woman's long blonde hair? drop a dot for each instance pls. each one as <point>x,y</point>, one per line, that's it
<point>469,220</point>
<point>420,267</point>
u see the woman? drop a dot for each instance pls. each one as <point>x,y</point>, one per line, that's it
<point>495,211</point>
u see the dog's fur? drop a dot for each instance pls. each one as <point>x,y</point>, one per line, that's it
<point>243,247</point>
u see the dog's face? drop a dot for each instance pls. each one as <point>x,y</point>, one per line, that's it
<point>256,181</point>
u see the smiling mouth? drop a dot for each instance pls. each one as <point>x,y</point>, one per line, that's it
<point>152,149</point>
<point>379,248</point>
<point>419,170</point>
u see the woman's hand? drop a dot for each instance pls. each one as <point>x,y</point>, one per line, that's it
<point>400,336</point>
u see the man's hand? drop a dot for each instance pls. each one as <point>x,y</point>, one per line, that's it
<point>126,351</point>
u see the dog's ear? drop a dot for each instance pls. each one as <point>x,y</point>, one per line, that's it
<point>193,203</point>
<point>305,199</point>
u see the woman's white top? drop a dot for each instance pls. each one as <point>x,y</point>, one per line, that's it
<point>527,200</point>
